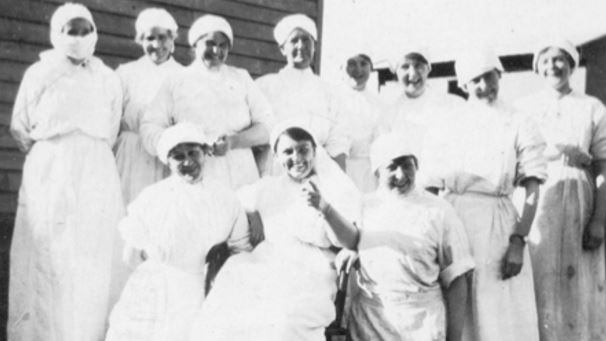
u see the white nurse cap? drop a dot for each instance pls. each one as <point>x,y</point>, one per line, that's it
<point>207,24</point>
<point>183,132</point>
<point>476,63</point>
<point>391,146</point>
<point>291,22</point>
<point>563,44</point>
<point>155,17</point>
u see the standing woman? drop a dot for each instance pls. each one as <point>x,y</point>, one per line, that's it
<point>362,108</point>
<point>66,118</point>
<point>297,94</point>
<point>568,232</point>
<point>223,99</point>
<point>141,79</point>
<point>493,149</point>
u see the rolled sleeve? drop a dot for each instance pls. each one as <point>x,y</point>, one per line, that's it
<point>239,238</point>
<point>530,147</point>
<point>454,255</point>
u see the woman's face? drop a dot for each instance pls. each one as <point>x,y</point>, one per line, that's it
<point>78,27</point>
<point>484,87</point>
<point>358,69</point>
<point>296,157</point>
<point>187,161</point>
<point>554,66</point>
<point>299,49</point>
<point>399,175</point>
<point>158,44</point>
<point>212,49</point>
<point>412,74</point>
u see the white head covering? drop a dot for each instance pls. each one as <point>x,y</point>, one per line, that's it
<point>476,63</point>
<point>291,22</point>
<point>563,44</point>
<point>155,17</point>
<point>63,14</point>
<point>392,146</point>
<point>209,23</point>
<point>183,132</point>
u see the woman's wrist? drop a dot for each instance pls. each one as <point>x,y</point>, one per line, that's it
<point>517,239</point>
<point>324,207</point>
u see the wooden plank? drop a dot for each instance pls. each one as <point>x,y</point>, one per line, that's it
<point>20,31</point>
<point>8,92</point>
<point>6,111</point>
<point>288,6</point>
<point>11,160</point>
<point>10,181</point>
<point>25,53</point>
<point>12,72</point>
<point>8,202</point>
<point>6,140</point>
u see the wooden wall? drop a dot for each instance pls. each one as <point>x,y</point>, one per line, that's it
<point>24,33</point>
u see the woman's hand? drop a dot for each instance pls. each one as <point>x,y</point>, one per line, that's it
<point>222,146</point>
<point>314,198</point>
<point>513,259</point>
<point>593,235</point>
<point>346,258</point>
<point>575,156</point>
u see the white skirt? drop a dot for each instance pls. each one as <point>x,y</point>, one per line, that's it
<point>63,256</point>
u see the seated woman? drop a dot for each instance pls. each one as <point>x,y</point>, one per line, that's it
<point>173,224</point>
<point>413,254</point>
<point>284,289</point>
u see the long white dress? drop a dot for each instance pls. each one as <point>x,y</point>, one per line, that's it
<point>361,112</point>
<point>141,80</point>
<point>176,224</point>
<point>412,247</point>
<point>302,98</point>
<point>426,118</point>
<point>569,281</point>
<point>222,101</point>
<point>496,148</point>
<point>284,289</point>
<point>62,253</point>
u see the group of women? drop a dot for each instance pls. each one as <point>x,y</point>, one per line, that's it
<point>436,248</point>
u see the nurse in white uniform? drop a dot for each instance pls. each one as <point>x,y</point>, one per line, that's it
<point>298,95</point>
<point>223,99</point>
<point>141,79</point>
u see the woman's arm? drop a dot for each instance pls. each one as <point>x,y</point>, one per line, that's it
<point>593,235</point>
<point>456,307</point>
<point>514,256</point>
<point>346,232</point>
<point>254,135</point>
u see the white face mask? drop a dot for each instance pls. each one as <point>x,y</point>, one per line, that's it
<point>77,47</point>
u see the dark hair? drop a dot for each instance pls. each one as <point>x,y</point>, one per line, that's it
<point>297,134</point>
<point>404,158</point>
<point>416,57</point>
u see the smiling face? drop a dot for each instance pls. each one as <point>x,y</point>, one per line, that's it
<point>484,87</point>
<point>213,49</point>
<point>412,73</point>
<point>296,157</point>
<point>555,66</point>
<point>399,175</point>
<point>299,49</point>
<point>158,44</point>
<point>187,161</point>
<point>358,69</point>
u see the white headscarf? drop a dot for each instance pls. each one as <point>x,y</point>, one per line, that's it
<point>183,132</point>
<point>291,22</point>
<point>207,24</point>
<point>76,47</point>
<point>398,59</point>
<point>155,17</point>
<point>476,63</point>
<point>391,146</point>
<point>563,44</point>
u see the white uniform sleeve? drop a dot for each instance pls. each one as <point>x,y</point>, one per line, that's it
<point>20,122</point>
<point>157,117</point>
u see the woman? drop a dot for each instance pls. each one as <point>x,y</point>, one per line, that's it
<point>173,224</point>
<point>419,109</point>
<point>284,289</point>
<point>568,232</point>
<point>413,254</point>
<point>363,109</point>
<point>296,93</point>
<point>496,149</point>
<point>221,98</point>
<point>141,79</point>
<point>66,119</point>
